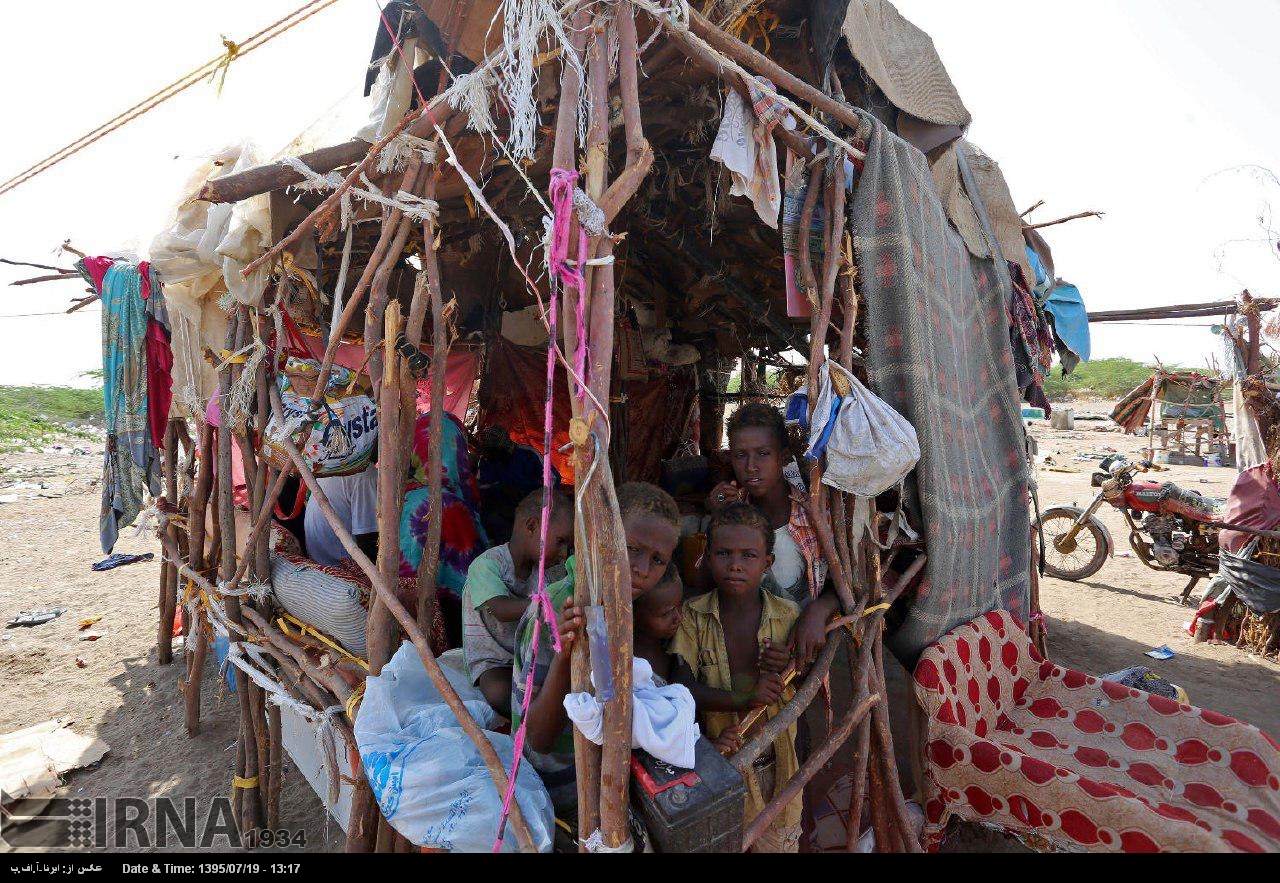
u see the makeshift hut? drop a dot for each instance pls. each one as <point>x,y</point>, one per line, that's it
<point>597,210</point>
<point>1183,415</point>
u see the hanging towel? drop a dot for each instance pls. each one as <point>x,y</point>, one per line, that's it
<point>664,721</point>
<point>746,147</point>
<point>869,446</point>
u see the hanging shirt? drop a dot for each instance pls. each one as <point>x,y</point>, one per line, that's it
<point>355,500</point>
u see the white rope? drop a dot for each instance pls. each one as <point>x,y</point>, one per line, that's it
<point>527,27</point>
<point>256,591</point>
<point>414,207</point>
<point>400,148</point>
<point>595,844</point>
<point>590,215</point>
<point>343,269</point>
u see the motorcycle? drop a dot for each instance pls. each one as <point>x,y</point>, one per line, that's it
<point>1171,529</point>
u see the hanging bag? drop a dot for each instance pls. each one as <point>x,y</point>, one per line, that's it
<point>869,447</point>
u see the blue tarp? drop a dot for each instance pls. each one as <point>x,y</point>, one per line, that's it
<point>1070,318</point>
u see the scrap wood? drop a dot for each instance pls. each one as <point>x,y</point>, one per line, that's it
<point>33,760</point>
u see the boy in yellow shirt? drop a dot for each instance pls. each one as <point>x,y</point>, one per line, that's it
<point>733,641</point>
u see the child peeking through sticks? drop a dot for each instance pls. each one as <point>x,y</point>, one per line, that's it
<point>734,640</point>
<point>651,522</point>
<point>499,586</point>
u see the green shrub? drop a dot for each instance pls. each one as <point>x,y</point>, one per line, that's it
<point>31,416</point>
<point>1102,378</point>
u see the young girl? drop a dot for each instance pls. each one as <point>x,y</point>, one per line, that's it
<point>732,640</point>
<point>651,522</point>
<point>759,453</point>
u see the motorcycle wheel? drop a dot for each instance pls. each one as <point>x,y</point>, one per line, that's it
<point>1085,556</point>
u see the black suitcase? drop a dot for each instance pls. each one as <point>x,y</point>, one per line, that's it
<point>698,810</point>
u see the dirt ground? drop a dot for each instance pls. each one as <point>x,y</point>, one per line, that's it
<point>49,539</point>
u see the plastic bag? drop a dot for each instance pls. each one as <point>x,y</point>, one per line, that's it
<point>427,776</point>
<point>343,431</point>
<point>869,446</point>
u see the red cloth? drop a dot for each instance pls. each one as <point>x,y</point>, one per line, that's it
<point>239,486</point>
<point>1015,741</point>
<point>516,393</point>
<point>159,381</point>
<point>459,380</point>
<point>97,268</point>
<point>1254,502</point>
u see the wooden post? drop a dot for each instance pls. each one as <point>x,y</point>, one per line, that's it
<point>197,642</point>
<point>168,572</point>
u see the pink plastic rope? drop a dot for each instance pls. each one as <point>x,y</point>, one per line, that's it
<point>561,193</point>
<point>540,595</point>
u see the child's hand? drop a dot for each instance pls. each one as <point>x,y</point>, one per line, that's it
<point>809,636</point>
<point>571,622</point>
<point>768,690</point>
<point>729,742</point>
<point>724,495</point>
<point>775,659</point>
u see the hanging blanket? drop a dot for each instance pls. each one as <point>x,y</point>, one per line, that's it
<point>1087,764</point>
<point>939,354</point>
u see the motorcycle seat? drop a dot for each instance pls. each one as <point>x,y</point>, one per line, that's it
<point>1189,503</point>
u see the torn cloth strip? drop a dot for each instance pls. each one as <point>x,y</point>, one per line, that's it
<point>939,354</point>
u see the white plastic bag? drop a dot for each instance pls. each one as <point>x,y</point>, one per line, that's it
<point>663,723</point>
<point>427,775</point>
<point>871,447</point>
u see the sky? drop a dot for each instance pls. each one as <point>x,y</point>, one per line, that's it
<point>1158,112</point>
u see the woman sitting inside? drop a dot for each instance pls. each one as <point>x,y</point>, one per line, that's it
<point>462,537</point>
<point>759,454</point>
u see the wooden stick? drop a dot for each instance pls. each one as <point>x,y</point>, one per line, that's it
<point>276,767</point>
<point>382,631</point>
<point>698,54</point>
<point>785,793</point>
<point>168,573</point>
<point>790,713</point>
<point>407,622</point>
<point>264,179</point>
<point>1063,220</point>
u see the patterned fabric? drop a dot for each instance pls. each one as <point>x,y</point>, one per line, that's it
<point>939,354</point>
<point>806,538</point>
<point>462,537</point>
<point>131,464</point>
<point>768,109</point>
<point>1087,764</point>
<point>325,597</point>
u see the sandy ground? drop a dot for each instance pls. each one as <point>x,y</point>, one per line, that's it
<point>49,538</point>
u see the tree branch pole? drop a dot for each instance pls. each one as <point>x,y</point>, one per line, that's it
<point>811,767</point>
<point>168,572</point>
<point>604,518</point>
<point>586,753</point>
<point>250,819</point>
<point>407,622</point>
<point>197,642</point>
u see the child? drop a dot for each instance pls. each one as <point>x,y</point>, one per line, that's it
<point>656,617</point>
<point>732,640</point>
<point>651,522</point>
<point>499,585</point>
<point>759,453</point>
